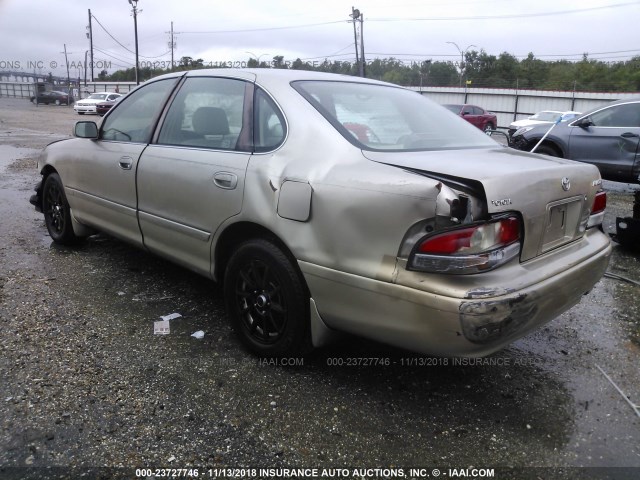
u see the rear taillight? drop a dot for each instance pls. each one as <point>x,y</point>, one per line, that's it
<point>599,203</point>
<point>597,209</point>
<point>470,249</point>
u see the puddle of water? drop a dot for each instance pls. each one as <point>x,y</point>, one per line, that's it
<point>8,154</point>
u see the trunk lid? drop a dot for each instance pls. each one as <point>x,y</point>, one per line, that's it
<point>554,196</point>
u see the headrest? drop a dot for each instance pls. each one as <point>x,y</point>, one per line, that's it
<point>210,121</point>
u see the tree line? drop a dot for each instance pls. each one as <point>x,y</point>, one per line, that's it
<point>478,69</point>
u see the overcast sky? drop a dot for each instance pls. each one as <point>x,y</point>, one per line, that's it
<point>33,32</point>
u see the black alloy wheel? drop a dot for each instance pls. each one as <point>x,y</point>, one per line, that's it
<point>57,215</point>
<point>267,301</point>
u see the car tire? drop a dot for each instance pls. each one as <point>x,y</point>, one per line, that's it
<point>547,150</point>
<point>488,128</point>
<point>267,300</point>
<point>57,215</point>
<point>80,113</point>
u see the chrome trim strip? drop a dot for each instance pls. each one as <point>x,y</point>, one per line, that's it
<point>175,226</point>
<point>116,207</point>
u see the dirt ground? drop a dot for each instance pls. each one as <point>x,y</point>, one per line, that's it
<point>87,385</point>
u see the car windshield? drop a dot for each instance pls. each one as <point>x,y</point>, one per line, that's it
<point>380,117</point>
<point>97,96</point>
<point>546,116</point>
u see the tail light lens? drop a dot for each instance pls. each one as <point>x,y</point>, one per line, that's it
<point>597,209</point>
<point>472,249</point>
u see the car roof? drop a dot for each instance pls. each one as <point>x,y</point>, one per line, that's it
<point>280,74</point>
<point>272,75</point>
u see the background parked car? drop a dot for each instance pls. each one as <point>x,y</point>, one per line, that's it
<point>475,115</point>
<point>54,97</point>
<point>88,105</point>
<point>545,117</point>
<point>103,107</point>
<point>607,137</point>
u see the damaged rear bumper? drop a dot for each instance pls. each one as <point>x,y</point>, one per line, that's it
<point>474,316</point>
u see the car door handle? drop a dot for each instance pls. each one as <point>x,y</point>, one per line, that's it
<point>126,163</point>
<point>629,135</point>
<point>225,180</point>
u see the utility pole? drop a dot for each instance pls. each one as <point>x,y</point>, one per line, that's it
<point>172,44</point>
<point>85,71</point>
<point>354,15</point>
<point>134,4</point>
<point>364,63</point>
<point>90,35</point>
<point>66,59</point>
<point>358,16</point>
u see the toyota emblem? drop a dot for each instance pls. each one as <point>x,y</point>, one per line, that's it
<point>566,184</point>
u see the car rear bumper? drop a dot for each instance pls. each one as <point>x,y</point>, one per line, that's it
<point>475,322</point>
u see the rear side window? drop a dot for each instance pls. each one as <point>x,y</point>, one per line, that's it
<point>269,130</point>
<point>207,112</point>
<point>135,117</point>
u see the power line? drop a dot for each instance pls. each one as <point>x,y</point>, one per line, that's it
<point>428,19</point>
<point>118,42</point>
<point>247,30</point>
<point>507,16</point>
<point>108,33</point>
<point>113,56</point>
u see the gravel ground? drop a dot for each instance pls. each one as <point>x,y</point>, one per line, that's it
<point>87,385</point>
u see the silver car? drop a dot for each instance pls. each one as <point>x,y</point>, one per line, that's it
<point>331,203</point>
<point>607,137</point>
<point>88,105</point>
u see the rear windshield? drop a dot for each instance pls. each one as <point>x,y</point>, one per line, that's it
<point>380,117</point>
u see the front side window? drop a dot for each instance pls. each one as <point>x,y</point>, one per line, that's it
<point>135,117</point>
<point>207,112</point>
<point>626,115</point>
<point>381,117</point>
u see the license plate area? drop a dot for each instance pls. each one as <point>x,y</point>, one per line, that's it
<point>562,222</point>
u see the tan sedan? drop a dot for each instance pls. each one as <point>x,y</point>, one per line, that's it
<point>330,203</point>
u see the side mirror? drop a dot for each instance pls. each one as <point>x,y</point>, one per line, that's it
<point>86,130</point>
<point>583,122</point>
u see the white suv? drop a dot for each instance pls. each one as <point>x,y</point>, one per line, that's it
<point>88,105</point>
